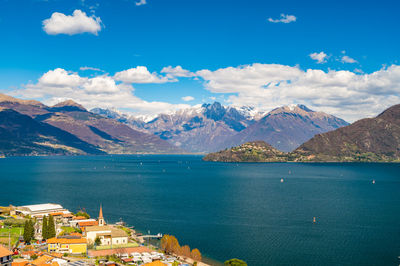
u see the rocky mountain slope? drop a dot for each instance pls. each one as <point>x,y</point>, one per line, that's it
<point>287,127</point>
<point>107,135</point>
<point>199,129</point>
<point>370,139</point>
<point>213,127</point>
<point>367,140</point>
<point>22,135</point>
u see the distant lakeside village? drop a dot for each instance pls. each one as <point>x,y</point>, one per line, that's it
<point>50,235</point>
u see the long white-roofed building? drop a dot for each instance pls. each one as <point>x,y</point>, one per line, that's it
<point>40,210</point>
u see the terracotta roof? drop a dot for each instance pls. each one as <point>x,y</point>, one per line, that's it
<point>67,215</point>
<point>75,234</point>
<point>101,212</point>
<point>98,228</point>
<point>30,253</point>
<point>56,213</point>
<point>56,240</point>
<point>20,263</point>
<point>156,263</point>
<point>80,218</point>
<point>4,252</point>
<point>42,260</point>
<point>90,223</point>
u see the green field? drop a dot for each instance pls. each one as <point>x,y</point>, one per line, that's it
<point>14,232</point>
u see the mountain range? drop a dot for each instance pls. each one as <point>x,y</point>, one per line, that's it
<point>367,140</point>
<point>32,128</point>
<point>212,127</point>
<point>68,128</point>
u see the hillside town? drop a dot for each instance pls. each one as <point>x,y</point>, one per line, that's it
<point>50,235</point>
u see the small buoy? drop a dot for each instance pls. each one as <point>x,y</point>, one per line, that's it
<point>314,220</point>
<point>373,181</point>
<point>281,180</point>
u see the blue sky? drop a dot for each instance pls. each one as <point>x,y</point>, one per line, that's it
<point>210,36</point>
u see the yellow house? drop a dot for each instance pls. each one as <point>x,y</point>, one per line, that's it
<point>67,244</point>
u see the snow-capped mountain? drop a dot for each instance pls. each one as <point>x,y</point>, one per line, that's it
<point>211,127</point>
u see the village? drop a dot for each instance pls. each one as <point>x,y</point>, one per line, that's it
<point>50,235</point>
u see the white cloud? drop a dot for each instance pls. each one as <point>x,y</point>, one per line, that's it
<point>347,59</point>
<point>342,93</point>
<point>346,94</point>
<point>177,71</point>
<point>77,23</point>
<point>141,2</point>
<point>85,68</point>
<point>100,91</point>
<point>187,98</point>
<point>283,19</point>
<point>319,57</point>
<point>141,74</point>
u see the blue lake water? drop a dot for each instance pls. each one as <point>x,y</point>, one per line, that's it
<point>228,210</point>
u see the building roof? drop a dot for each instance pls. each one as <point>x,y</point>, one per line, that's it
<point>101,212</point>
<point>98,228</point>
<point>42,260</point>
<point>118,233</point>
<point>20,263</point>
<point>56,240</point>
<point>43,207</point>
<point>56,213</point>
<point>88,223</point>
<point>156,263</point>
<point>79,218</point>
<point>4,252</point>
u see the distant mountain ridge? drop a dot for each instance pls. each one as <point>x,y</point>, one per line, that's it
<point>94,134</point>
<point>367,140</point>
<point>212,127</point>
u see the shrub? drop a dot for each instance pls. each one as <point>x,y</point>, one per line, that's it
<point>235,262</point>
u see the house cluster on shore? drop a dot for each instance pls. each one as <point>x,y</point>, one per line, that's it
<point>78,240</point>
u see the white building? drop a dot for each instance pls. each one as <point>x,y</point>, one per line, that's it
<point>40,210</point>
<point>108,235</point>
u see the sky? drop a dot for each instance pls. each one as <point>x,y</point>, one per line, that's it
<point>154,56</point>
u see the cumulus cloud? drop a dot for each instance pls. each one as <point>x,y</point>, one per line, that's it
<point>319,57</point>
<point>347,59</point>
<point>100,91</point>
<point>177,71</point>
<point>141,2</point>
<point>188,98</point>
<point>141,74</point>
<point>346,94</point>
<point>284,18</point>
<point>342,93</point>
<point>76,23</point>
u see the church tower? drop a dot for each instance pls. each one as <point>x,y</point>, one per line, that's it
<point>101,219</point>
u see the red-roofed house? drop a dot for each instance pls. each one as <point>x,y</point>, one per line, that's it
<point>5,256</point>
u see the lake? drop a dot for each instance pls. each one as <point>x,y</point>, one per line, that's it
<point>228,210</point>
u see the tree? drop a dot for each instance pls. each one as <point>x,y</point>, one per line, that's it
<point>51,227</point>
<point>97,241</point>
<point>170,244</point>
<point>82,213</point>
<point>32,229</point>
<point>196,255</point>
<point>185,251</point>
<point>235,262</point>
<point>27,233</point>
<point>44,228</point>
